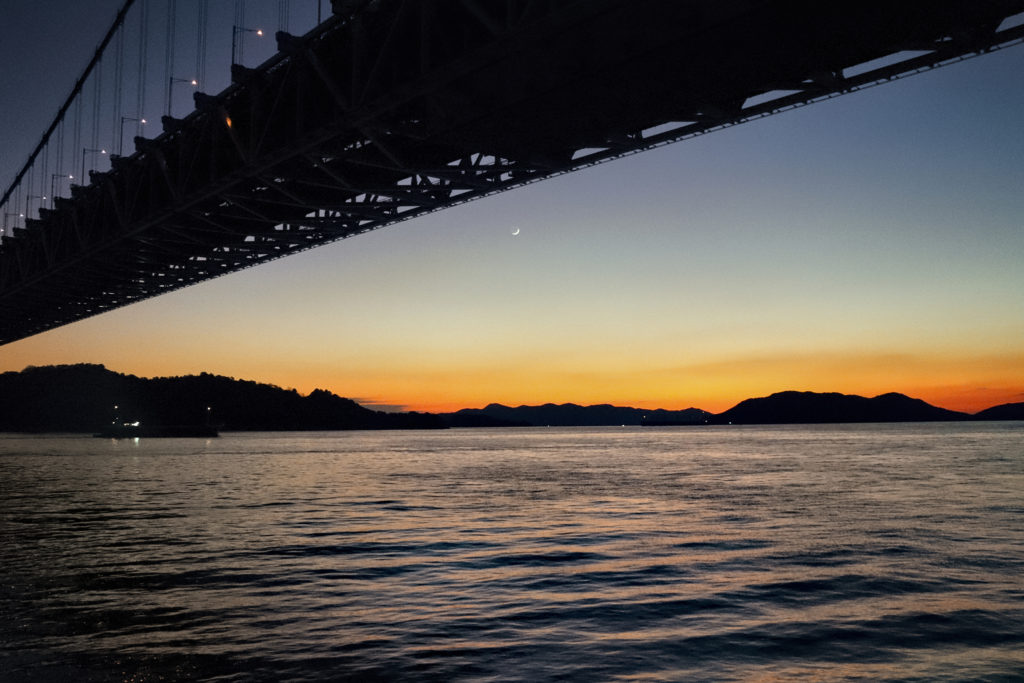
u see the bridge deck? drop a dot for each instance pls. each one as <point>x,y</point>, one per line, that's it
<point>394,108</point>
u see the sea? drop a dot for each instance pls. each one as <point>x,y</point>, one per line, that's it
<point>874,552</point>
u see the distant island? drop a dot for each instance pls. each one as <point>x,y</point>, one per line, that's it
<point>806,407</point>
<point>787,407</point>
<point>85,398</point>
<point>572,415</point>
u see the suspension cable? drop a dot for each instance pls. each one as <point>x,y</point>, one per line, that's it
<point>169,55</point>
<point>239,26</point>
<point>97,101</point>
<point>118,93</point>
<point>43,168</point>
<point>76,140</point>
<point>140,94</point>
<point>67,103</point>
<point>60,149</point>
<point>202,21</point>
<point>283,12</point>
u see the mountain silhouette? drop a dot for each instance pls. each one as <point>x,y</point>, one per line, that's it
<point>82,398</point>
<point>1007,411</point>
<point>806,407</point>
<point>571,415</point>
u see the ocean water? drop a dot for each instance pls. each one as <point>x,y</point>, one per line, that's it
<point>807,553</point>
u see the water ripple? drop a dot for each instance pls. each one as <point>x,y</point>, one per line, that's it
<point>822,553</point>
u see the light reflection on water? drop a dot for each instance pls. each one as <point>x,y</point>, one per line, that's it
<point>867,552</point>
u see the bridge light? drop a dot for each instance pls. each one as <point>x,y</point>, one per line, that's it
<point>85,152</point>
<point>227,120</point>
<point>238,42</point>
<point>120,138</point>
<point>170,90</point>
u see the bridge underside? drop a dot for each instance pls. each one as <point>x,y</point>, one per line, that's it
<point>395,108</point>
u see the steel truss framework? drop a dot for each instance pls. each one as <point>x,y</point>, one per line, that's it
<point>396,108</point>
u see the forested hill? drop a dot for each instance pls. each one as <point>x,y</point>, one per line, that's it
<point>82,398</point>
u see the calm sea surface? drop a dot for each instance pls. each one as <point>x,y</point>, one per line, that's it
<point>869,552</point>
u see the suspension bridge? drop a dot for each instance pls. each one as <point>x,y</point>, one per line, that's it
<point>384,110</point>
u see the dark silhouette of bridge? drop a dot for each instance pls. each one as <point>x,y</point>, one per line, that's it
<point>390,109</point>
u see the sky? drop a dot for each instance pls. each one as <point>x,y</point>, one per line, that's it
<point>867,244</point>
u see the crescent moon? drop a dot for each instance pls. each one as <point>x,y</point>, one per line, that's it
<point>515,230</point>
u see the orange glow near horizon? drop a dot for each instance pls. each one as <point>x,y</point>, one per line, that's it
<point>966,400</point>
<point>963,399</point>
<point>416,376</point>
<point>713,388</point>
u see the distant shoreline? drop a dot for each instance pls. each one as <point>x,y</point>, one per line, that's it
<point>91,398</point>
